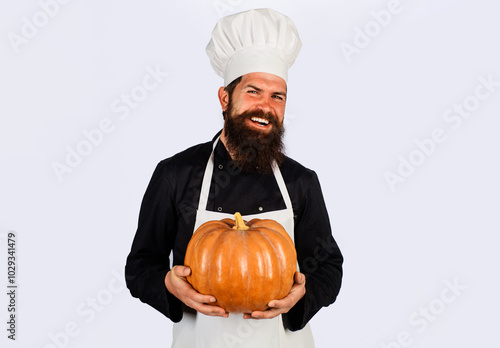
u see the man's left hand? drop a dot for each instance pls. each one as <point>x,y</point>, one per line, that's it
<point>277,307</point>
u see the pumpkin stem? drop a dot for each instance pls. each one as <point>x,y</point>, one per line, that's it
<point>240,224</point>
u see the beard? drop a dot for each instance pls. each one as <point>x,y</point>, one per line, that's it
<point>253,150</point>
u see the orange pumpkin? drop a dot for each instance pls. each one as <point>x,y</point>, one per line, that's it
<point>244,266</point>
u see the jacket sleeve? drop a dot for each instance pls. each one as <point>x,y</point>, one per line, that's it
<point>319,258</point>
<point>149,259</point>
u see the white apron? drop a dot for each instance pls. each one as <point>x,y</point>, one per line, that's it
<point>197,330</point>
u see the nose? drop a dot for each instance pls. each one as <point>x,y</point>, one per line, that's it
<point>265,104</point>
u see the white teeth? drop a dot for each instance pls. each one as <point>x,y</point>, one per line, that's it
<point>260,120</point>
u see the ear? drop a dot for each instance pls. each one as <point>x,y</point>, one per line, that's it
<point>223,98</point>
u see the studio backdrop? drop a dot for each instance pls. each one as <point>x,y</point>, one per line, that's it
<point>395,104</point>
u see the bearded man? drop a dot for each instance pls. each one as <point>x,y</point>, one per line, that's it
<point>243,169</point>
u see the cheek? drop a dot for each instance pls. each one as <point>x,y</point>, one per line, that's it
<point>240,106</point>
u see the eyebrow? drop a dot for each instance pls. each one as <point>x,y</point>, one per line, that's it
<point>260,90</point>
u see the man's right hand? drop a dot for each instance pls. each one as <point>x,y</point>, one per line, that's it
<point>177,285</point>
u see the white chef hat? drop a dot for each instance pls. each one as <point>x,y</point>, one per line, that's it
<point>261,40</point>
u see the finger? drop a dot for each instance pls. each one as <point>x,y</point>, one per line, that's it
<point>182,271</point>
<point>207,309</point>
<point>283,304</point>
<point>200,298</point>
<point>196,298</point>
<point>270,313</point>
<point>215,311</point>
<point>253,315</point>
<point>300,278</point>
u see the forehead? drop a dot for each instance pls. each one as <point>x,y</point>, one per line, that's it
<point>264,81</point>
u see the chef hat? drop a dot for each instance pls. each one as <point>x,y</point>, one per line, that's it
<point>261,40</point>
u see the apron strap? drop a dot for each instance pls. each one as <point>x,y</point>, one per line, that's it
<point>282,186</point>
<point>207,179</point>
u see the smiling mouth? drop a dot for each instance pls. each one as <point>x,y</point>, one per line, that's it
<point>260,121</point>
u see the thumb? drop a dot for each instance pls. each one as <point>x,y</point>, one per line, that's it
<point>182,271</point>
<point>300,277</point>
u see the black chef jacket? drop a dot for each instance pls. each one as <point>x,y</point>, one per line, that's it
<point>167,218</point>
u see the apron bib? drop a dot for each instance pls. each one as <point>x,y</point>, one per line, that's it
<point>197,330</point>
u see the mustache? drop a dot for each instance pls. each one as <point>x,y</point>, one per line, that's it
<point>273,119</point>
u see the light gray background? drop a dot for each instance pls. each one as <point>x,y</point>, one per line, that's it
<point>353,119</point>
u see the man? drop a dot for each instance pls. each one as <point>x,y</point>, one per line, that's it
<point>243,169</point>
